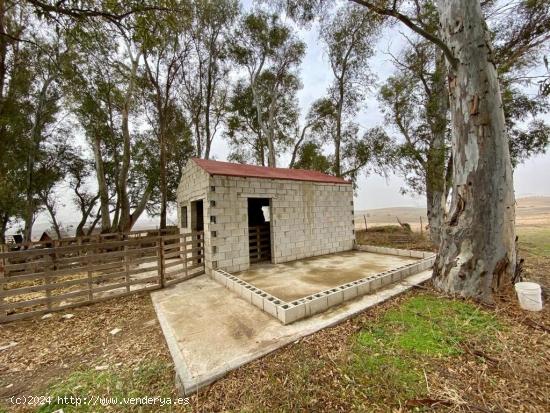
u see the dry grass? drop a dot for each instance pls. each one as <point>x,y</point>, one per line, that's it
<point>394,236</point>
<point>314,374</point>
<point>53,349</point>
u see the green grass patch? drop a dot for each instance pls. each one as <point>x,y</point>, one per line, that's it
<point>535,240</point>
<point>388,357</point>
<point>152,379</point>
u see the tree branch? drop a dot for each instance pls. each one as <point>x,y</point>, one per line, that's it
<point>77,12</point>
<point>453,61</point>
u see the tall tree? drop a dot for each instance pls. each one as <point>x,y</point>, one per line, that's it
<point>415,101</point>
<point>15,83</point>
<point>244,134</point>
<point>163,57</point>
<point>349,36</point>
<point>477,254</point>
<point>246,137</point>
<point>416,105</point>
<point>44,97</point>
<point>205,80</point>
<point>269,52</point>
<point>106,88</point>
<point>80,170</point>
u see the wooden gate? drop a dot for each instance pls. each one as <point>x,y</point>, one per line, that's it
<point>259,237</point>
<point>39,280</point>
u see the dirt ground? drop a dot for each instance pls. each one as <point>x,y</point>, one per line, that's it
<point>49,350</point>
<point>510,372</point>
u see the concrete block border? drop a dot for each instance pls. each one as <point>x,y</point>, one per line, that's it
<point>394,251</point>
<point>288,312</point>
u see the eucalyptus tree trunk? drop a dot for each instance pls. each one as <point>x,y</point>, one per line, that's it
<point>438,105</point>
<point>102,187</point>
<point>161,102</point>
<point>271,156</point>
<point>477,253</point>
<point>36,138</point>
<point>338,136</point>
<point>208,104</point>
<point>163,179</point>
<point>55,224</point>
<point>125,223</point>
<point>435,202</point>
<point>86,211</point>
<point>267,130</point>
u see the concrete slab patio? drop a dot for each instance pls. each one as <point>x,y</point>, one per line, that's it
<point>211,331</point>
<point>296,279</point>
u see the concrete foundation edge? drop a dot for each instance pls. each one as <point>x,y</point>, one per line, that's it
<point>289,312</point>
<point>189,385</point>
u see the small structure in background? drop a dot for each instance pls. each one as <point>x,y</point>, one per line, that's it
<point>50,235</point>
<point>13,240</point>
<point>252,213</point>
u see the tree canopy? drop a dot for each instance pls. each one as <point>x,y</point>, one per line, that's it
<point>106,101</point>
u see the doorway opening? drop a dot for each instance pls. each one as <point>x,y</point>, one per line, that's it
<point>197,225</point>
<point>259,229</point>
<point>197,215</point>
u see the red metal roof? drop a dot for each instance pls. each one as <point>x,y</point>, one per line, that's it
<point>253,171</point>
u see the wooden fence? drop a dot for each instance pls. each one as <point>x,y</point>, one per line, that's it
<point>92,239</point>
<point>41,280</point>
<point>260,243</point>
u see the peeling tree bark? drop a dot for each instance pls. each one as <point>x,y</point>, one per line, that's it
<point>477,252</point>
<point>438,105</point>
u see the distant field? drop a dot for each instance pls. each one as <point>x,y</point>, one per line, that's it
<point>535,239</point>
<point>388,216</point>
<point>531,211</point>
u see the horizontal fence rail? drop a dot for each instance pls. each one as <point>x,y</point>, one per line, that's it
<point>92,239</point>
<point>40,280</point>
<point>260,243</point>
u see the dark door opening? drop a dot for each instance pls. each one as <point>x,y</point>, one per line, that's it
<point>259,231</point>
<point>197,215</point>
<point>197,225</point>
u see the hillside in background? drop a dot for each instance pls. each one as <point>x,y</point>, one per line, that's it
<point>532,210</point>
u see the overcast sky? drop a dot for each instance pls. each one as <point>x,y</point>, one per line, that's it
<point>531,178</point>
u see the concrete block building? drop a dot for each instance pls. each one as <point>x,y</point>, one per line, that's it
<point>253,214</point>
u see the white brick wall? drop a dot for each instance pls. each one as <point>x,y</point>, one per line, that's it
<point>307,218</point>
<point>194,185</point>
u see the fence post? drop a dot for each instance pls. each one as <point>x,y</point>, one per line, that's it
<point>185,256</point>
<point>3,313</point>
<point>421,229</point>
<point>47,280</point>
<point>258,241</point>
<point>161,262</point>
<point>365,218</point>
<point>127,268</point>
<point>90,287</point>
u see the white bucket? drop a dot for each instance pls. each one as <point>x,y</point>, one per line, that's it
<point>529,296</point>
